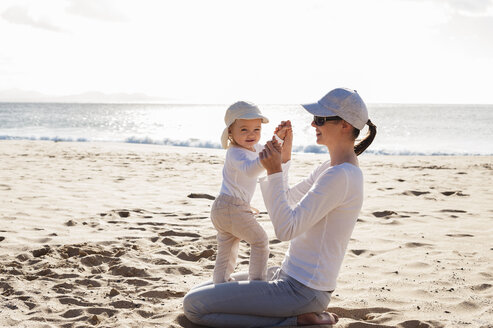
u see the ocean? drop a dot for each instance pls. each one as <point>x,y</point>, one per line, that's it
<point>402,129</point>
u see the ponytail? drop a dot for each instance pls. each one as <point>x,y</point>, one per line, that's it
<point>363,144</point>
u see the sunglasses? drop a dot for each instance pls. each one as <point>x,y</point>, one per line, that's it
<point>320,120</point>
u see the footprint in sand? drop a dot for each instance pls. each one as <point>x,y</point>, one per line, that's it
<point>169,241</point>
<point>457,193</point>
<point>419,323</point>
<point>41,251</point>
<point>359,252</point>
<point>136,282</point>
<point>28,301</point>
<point>63,288</point>
<point>459,235</point>
<point>467,306</point>
<point>481,287</point>
<point>88,283</point>
<point>164,294</point>
<point>415,193</point>
<point>178,270</point>
<point>123,214</point>
<point>126,271</point>
<point>453,211</point>
<point>124,305</point>
<point>206,196</point>
<point>5,187</point>
<point>99,310</point>
<point>362,314</point>
<point>195,256</point>
<point>72,301</point>
<point>70,223</point>
<point>380,214</point>
<point>73,313</point>
<point>193,218</point>
<point>179,234</point>
<point>416,244</point>
<point>95,260</point>
<point>7,289</point>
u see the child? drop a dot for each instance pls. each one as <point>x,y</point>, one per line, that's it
<point>231,213</point>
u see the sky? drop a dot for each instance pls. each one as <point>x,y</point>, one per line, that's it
<point>265,51</point>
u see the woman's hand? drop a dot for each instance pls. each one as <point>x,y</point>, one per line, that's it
<point>285,132</point>
<point>270,157</point>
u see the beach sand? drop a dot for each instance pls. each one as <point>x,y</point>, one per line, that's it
<point>107,235</point>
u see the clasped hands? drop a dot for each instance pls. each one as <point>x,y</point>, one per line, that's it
<point>273,154</point>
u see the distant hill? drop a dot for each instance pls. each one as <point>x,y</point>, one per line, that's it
<point>17,95</point>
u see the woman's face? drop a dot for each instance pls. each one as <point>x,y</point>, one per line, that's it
<point>328,132</point>
<point>246,133</point>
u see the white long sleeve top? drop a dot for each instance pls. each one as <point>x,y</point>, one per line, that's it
<point>318,216</point>
<point>240,173</point>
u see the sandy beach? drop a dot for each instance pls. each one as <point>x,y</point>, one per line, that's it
<point>114,235</point>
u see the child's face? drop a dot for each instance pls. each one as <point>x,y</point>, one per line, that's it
<point>246,133</point>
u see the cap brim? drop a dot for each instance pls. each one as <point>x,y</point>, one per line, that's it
<point>253,116</point>
<point>317,110</point>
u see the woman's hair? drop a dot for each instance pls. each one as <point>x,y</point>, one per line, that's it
<point>364,143</point>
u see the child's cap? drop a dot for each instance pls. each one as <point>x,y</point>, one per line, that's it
<point>240,110</point>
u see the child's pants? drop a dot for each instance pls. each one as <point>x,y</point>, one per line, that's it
<point>235,221</point>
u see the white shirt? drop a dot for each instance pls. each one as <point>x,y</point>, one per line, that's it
<point>241,170</point>
<point>318,215</point>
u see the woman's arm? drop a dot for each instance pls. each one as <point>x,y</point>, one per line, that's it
<point>327,193</point>
<point>298,191</point>
<point>294,195</point>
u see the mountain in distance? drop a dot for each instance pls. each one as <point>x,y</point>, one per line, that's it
<point>18,95</point>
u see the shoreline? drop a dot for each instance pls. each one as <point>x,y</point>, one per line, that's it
<point>100,232</point>
<point>205,144</point>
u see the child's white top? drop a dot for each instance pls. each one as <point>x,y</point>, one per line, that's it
<point>241,170</point>
<point>318,216</point>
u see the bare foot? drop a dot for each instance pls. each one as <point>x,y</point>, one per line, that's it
<point>324,318</point>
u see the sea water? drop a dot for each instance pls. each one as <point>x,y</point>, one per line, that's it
<point>403,129</point>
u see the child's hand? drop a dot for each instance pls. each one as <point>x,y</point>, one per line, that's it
<point>282,129</point>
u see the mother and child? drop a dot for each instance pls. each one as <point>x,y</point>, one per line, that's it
<point>317,216</point>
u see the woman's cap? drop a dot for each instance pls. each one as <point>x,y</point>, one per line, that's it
<point>342,102</point>
<point>240,110</point>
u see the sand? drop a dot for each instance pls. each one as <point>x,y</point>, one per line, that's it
<point>107,235</point>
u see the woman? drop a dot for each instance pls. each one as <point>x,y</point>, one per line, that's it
<point>317,216</point>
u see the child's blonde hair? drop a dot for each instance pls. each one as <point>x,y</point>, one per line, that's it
<point>239,110</point>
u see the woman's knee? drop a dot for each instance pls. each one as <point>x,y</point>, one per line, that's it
<point>191,307</point>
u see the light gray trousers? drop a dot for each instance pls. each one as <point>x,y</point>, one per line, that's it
<point>243,303</point>
<point>234,222</point>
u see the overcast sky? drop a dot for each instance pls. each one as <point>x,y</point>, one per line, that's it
<point>265,51</point>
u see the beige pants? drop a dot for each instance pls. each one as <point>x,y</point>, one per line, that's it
<point>235,221</point>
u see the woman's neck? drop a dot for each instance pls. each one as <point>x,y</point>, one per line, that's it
<point>340,155</point>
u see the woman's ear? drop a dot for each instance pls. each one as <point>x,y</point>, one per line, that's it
<point>346,125</point>
<point>347,129</point>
